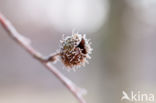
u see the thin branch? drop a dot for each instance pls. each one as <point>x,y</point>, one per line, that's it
<point>25,43</point>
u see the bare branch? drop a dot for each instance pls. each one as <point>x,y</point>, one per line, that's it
<point>25,43</point>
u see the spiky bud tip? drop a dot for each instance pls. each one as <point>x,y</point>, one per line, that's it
<point>74,51</point>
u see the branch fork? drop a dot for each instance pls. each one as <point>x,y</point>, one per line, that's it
<point>25,43</point>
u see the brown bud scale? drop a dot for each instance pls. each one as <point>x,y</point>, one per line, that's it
<point>74,50</point>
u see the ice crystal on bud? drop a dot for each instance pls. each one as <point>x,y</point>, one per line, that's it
<point>74,51</point>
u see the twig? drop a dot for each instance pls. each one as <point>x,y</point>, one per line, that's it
<point>25,43</point>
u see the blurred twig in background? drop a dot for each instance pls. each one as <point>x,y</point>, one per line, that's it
<point>25,43</point>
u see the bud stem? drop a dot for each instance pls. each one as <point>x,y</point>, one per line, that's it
<point>23,42</point>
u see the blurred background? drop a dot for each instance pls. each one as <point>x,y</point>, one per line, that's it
<point>123,35</point>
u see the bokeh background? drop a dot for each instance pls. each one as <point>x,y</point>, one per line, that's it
<point>123,35</point>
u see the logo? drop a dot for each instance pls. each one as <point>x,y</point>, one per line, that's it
<point>137,96</point>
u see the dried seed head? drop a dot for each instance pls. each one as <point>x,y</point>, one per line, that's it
<point>74,50</point>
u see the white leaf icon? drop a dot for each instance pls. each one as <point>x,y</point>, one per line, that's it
<point>125,96</point>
